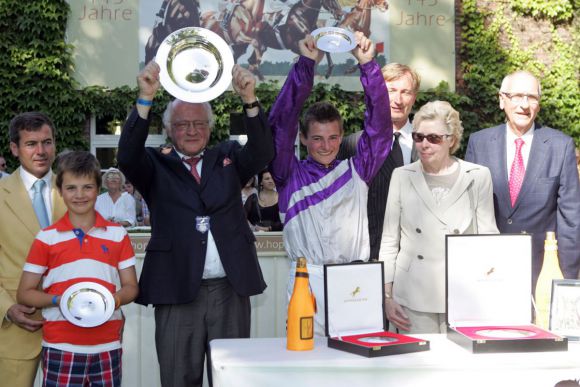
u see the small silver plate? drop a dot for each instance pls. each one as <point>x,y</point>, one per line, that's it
<point>87,304</point>
<point>378,340</point>
<point>334,39</point>
<point>506,333</point>
<point>195,64</point>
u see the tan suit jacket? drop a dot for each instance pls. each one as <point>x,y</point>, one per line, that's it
<point>413,242</point>
<point>18,228</point>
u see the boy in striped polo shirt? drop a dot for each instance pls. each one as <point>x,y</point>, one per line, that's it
<point>81,246</point>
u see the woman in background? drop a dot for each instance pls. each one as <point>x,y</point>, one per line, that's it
<point>437,195</point>
<point>262,208</point>
<point>249,189</point>
<point>115,205</point>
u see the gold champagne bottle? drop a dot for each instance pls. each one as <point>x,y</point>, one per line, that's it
<point>301,310</point>
<point>550,271</point>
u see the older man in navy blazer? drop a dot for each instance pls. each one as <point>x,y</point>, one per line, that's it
<point>201,264</point>
<point>535,180</point>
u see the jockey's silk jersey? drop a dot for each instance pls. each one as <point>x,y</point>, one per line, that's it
<point>324,208</point>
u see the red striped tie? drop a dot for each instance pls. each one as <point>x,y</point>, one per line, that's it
<point>193,161</point>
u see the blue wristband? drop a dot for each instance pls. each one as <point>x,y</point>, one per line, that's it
<point>144,102</point>
<point>54,300</point>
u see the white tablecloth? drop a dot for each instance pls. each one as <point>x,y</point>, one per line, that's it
<point>266,362</point>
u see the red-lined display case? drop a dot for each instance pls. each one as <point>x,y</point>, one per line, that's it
<point>354,311</point>
<point>489,293</point>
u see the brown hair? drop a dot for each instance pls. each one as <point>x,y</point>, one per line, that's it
<point>78,163</point>
<point>29,121</point>
<point>322,112</point>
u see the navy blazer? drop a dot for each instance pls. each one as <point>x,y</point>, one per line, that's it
<point>549,199</point>
<point>175,256</point>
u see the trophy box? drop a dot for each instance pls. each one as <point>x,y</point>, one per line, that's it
<point>355,315</point>
<point>489,293</point>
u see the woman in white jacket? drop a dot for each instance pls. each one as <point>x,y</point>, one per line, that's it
<point>437,195</point>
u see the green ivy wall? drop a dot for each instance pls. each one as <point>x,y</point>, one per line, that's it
<point>36,66</point>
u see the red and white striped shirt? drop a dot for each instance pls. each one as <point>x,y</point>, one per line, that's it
<point>65,256</point>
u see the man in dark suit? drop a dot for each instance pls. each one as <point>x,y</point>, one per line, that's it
<point>403,85</point>
<point>535,180</point>
<point>201,264</point>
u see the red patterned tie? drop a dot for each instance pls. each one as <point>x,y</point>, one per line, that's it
<point>193,161</point>
<point>517,172</point>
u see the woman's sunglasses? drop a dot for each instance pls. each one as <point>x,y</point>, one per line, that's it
<point>432,138</point>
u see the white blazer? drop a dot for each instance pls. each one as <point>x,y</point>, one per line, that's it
<point>413,242</point>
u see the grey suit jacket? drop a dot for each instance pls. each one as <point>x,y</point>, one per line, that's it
<point>549,199</point>
<point>413,241</point>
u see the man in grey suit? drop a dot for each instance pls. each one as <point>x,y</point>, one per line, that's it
<point>535,181</point>
<point>403,85</point>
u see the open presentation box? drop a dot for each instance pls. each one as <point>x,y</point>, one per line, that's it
<point>355,315</point>
<point>489,290</point>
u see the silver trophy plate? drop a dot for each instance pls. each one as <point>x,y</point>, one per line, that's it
<point>334,39</point>
<point>195,64</point>
<point>506,333</point>
<point>87,304</point>
<point>378,340</point>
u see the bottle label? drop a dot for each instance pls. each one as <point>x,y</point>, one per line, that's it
<point>306,328</point>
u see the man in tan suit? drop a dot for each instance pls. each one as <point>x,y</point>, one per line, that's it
<point>32,142</point>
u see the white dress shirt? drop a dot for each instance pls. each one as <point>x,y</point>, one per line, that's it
<point>406,141</point>
<point>213,265</point>
<point>122,210</point>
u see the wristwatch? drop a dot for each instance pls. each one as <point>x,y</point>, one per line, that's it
<point>251,105</point>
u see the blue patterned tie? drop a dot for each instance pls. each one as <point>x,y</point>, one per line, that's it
<point>38,204</point>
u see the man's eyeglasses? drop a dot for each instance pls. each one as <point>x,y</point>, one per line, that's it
<point>517,98</point>
<point>432,138</point>
<point>184,125</point>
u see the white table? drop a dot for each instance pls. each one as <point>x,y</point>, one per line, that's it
<point>266,362</point>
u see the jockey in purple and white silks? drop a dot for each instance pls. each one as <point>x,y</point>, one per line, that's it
<point>322,200</point>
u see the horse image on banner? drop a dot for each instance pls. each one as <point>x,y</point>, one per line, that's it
<point>264,34</point>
